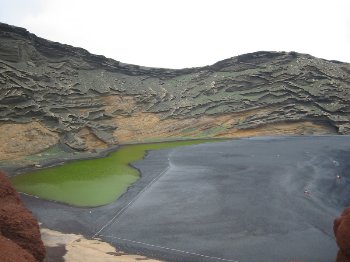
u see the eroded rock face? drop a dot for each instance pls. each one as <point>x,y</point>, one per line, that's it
<point>342,234</point>
<point>19,230</point>
<point>92,101</point>
<point>18,139</point>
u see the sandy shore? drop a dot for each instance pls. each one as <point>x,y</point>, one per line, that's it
<point>77,248</point>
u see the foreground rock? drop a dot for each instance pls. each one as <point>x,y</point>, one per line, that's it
<point>20,238</point>
<point>11,252</point>
<point>52,93</point>
<point>342,234</point>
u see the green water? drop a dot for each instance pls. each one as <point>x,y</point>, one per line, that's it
<point>91,182</point>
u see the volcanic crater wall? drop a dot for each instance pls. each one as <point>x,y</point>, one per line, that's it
<point>86,101</point>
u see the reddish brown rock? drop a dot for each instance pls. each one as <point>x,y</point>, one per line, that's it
<point>341,229</point>
<point>11,252</point>
<point>18,225</point>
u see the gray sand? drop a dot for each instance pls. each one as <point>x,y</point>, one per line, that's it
<point>262,199</point>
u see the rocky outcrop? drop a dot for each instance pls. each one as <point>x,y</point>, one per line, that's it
<point>11,252</point>
<point>342,233</point>
<point>19,230</point>
<point>90,101</point>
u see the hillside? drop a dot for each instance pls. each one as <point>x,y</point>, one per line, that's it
<point>51,93</point>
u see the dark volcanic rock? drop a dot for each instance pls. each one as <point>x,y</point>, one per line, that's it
<point>68,89</point>
<point>19,230</point>
<point>342,234</point>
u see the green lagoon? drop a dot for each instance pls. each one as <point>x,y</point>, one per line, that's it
<point>93,182</point>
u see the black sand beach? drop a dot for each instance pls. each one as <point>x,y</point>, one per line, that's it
<point>258,199</point>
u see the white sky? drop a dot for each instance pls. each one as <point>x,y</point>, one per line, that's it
<point>187,33</point>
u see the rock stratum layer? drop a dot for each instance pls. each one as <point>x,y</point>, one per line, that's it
<point>20,238</point>
<point>54,93</point>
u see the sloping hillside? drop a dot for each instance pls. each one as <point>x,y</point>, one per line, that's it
<point>52,93</point>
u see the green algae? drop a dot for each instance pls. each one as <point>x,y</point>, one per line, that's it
<point>92,182</point>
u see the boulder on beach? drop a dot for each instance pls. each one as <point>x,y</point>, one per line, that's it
<point>20,238</point>
<point>342,233</point>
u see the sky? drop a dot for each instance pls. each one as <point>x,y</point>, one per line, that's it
<point>187,33</point>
